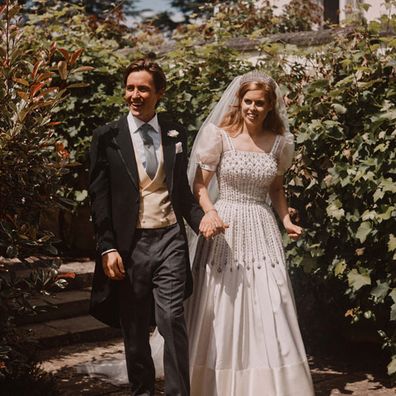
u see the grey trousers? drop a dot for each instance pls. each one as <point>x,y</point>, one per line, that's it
<point>156,274</point>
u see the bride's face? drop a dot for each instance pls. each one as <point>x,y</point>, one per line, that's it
<point>255,107</point>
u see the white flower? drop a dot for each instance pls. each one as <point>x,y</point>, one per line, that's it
<point>173,133</point>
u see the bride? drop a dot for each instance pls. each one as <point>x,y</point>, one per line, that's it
<point>243,331</point>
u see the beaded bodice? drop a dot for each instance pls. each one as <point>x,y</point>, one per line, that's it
<point>244,179</point>
<point>245,176</point>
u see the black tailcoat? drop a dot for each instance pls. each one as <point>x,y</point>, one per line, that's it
<point>114,192</point>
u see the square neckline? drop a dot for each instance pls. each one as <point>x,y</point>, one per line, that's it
<point>232,147</point>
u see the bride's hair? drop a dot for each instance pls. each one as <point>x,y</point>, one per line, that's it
<point>233,120</point>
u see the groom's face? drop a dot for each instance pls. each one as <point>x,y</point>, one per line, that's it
<point>141,95</point>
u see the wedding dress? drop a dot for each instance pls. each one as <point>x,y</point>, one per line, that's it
<point>241,319</point>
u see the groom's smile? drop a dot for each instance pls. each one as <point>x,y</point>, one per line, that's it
<point>141,95</point>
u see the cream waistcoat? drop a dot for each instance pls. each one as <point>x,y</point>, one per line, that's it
<point>155,207</point>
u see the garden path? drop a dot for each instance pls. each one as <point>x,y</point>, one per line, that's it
<point>332,376</point>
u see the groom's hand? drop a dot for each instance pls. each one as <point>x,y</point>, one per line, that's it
<point>113,266</point>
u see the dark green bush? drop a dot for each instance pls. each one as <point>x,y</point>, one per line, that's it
<point>343,181</point>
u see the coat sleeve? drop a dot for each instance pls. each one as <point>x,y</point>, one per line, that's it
<point>191,209</point>
<point>99,191</point>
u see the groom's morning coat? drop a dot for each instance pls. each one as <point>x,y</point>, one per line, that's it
<point>114,192</point>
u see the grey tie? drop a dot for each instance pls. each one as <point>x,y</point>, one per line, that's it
<point>149,150</point>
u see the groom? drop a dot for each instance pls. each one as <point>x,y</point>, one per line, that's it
<point>140,198</point>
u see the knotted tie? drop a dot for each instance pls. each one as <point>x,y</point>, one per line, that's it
<point>149,150</point>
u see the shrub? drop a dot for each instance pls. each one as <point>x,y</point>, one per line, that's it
<point>32,163</point>
<point>32,160</point>
<point>343,181</point>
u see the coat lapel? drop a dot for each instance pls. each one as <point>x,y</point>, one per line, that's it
<point>126,151</point>
<point>169,151</point>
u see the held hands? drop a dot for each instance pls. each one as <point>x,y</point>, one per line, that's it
<point>211,224</point>
<point>113,266</point>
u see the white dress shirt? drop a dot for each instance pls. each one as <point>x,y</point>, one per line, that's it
<point>134,124</point>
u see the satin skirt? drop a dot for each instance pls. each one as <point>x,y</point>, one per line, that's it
<point>242,324</point>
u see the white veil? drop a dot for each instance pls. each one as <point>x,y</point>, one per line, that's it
<point>223,106</point>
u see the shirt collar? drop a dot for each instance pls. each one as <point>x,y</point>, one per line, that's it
<point>134,123</point>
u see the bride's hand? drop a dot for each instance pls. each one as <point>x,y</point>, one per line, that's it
<point>211,224</point>
<point>294,231</point>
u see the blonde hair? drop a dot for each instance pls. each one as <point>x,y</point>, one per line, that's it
<point>233,120</point>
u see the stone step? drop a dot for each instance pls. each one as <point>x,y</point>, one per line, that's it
<point>78,274</point>
<point>63,305</point>
<point>57,333</point>
<point>83,273</point>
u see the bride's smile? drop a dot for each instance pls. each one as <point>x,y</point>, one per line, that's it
<point>255,107</point>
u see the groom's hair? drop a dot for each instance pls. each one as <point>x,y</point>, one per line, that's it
<point>152,67</point>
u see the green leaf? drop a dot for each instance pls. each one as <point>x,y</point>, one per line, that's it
<point>380,291</point>
<point>388,185</point>
<point>393,312</point>
<point>340,267</point>
<point>357,280</point>
<point>340,109</point>
<point>80,195</point>
<point>308,263</point>
<point>391,244</point>
<point>335,209</point>
<point>323,83</point>
<point>365,6</point>
<point>363,231</point>
<point>369,215</point>
<point>392,294</point>
<point>378,194</point>
<point>387,214</point>
<point>381,147</point>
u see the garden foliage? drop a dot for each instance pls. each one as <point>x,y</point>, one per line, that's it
<point>33,159</point>
<point>241,19</point>
<point>33,84</point>
<point>343,181</point>
<point>342,111</point>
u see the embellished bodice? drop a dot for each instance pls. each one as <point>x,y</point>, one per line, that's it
<point>245,176</point>
<point>243,179</point>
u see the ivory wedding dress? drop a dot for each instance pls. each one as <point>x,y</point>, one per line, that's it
<point>241,319</point>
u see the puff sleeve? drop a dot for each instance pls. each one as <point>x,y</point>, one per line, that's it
<point>209,148</point>
<point>285,153</point>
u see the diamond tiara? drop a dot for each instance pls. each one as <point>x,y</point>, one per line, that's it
<point>256,76</point>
